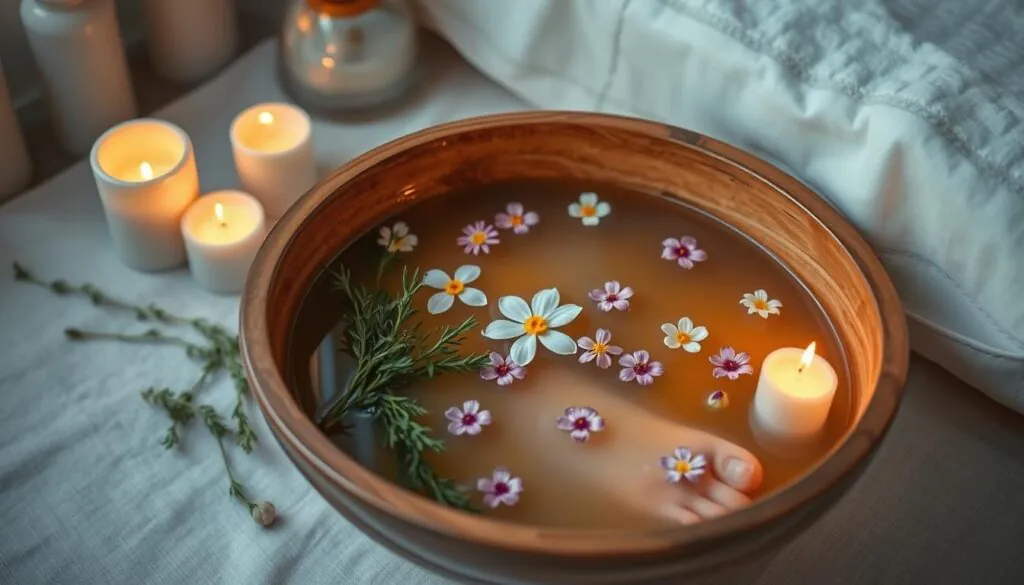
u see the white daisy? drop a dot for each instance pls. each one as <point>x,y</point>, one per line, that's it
<point>453,287</point>
<point>760,303</point>
<point>397,238</point>
<point>684,335</point>
<point>589,209</point>
<point>537,320</point>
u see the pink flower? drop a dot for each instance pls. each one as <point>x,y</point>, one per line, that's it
<point>599,349</point>
<point>637,366</point>
<point>503,369</point>
<point>516,219</point>
<point>467,420</point>
<point>478,236</point>
<point>581,421</point>
<point>729,364</point>
<point>612,297</point>
<point>502,488</point>
<point>684,250</point>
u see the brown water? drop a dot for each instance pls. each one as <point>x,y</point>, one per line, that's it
<point>600,484</point>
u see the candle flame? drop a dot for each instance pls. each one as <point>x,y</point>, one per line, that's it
<point>808,356</point>
<point>218,212</point>
<point>327,62</point>
<point>146,170</point>
<point>265,118</point>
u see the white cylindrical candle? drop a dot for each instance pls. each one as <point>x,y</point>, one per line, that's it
<point>273,150</point>
<point>15,164</point>
<point>190,39</point>
<point>146,175</point>
<point>223,231</point>
<point>795,391</point>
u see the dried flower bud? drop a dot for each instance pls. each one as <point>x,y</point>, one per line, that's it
<point>264,513</point>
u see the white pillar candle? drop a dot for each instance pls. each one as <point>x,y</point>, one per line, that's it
<point>795,391</point>
<point>273,151</point>
<point>223,231</point>
<point>145,172</point>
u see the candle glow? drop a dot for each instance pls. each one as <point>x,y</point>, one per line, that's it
<point>146,171</point>
<point>808,356</point>
<point>218,212</point>
<point>265,118</point>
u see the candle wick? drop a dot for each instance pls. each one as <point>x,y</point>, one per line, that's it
<point>800,369</point>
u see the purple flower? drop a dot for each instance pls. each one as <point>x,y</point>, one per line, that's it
<point>718,400</point>
<point>581,421</point>
<point>684,250</point>
<point>729,364</point>
<point>637,366</point>
<point>516,218</point>
<point>599,349</point>
<point>682,463</point>
<point>612,297</point>
<point>503,369</point>
<point>477,237</point>
<point>502,488</point>
<point>468,419</point>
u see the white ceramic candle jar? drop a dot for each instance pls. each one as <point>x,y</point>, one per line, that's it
<point>223,231</point>
<point>146,176</point>
<point>794,392</point>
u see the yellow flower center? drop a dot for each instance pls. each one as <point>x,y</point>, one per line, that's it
<point>683,466</point>
<point>588,210</point>
<point>395,244</point>
<point>478,238</point>
<point>454,287</point>
<point>599,347</point>
<point>535,325</point>
<point>517,220</point>
<point>682,337</point>
<point>760,305</point>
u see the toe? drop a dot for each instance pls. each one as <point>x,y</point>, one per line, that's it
<point>737,468</point>
<point>679,514</point>
<point>704,507</point>
<point>726,496</point>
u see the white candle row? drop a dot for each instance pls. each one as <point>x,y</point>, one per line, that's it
<point>146,175</point>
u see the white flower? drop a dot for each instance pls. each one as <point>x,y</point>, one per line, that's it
<point>397,238</point>
<point>589,209</point>
<point>263,513</point>
<point>684,335</point>
<point>502,488</point>
<point>580,421</point>
<point>453,287</point>
<point>530,322</point>
<point>516,219</point>
<point>760,303</point>
<point>468,419</point>
<point>683,463</point>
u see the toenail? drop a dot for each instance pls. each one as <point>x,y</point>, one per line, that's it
<point>738,470</point>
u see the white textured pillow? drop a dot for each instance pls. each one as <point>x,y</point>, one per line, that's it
<point>922,150</point>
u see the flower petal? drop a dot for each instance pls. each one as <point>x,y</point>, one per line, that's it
<point>669,329</point>
<point>483,417</point>
<point>613,350</point>
<point>470,407</point>
<point>544,302</point>
<point>435,278</point>
<point>656,369</point>
<point>467,273</point>
<point>557,342</point>
<point>642,356</point>
<point>670,243</point>
<point>515,485</point>
<point>585,342</point>
<point>531,218</point>
<point>473,297</point>
<point>685,324</point>
<point>596,422</point>
<point>588,356</point>
<point>698,255</point>
<point>626,293</point>
<point>692,347</point>
<point>728,353</point>
<point>565,423</point>
<point>603,209</point>
<point>456,428</point>
<point>400,229</point>
<point>485,485</point>
<point>492,501</point>
<point>604,336</point>
<point>688,241</point>
<point>489,373</point>
<point>612,287</point>
<point>524,349</point>
<point>588,198</point>
<point>627,374</point>
<point>580,435</point>
<point>575,210</point>
<point>685,263</point>
<point>502,329</point>
<point>671,342</point>
<point>604,361</point>
<point>563,315</point>
<point>591,221</point>
<point>514,308</point>
<point>453,414</point>
<point>627,361</point>
<point>503,221</point>
<point>761,295</point>
<point>682,454</point>
<point>699,333</point>
<point>440,302</point>
<point>501,474</point>
<point>514,208</point>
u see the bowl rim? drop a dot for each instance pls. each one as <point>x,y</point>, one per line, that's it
<point>305,440</point>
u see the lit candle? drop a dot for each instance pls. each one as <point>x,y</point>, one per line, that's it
<point>795,391</point>
<point>223,231</point>
<point>145,172</point>
<point>273,151</point>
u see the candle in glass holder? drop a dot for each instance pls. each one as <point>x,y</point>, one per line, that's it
<point>795,391</point>
<point>146,175</point>
<point>223,231</point>
<point>273,151</point>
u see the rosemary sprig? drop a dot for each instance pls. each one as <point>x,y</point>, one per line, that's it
<point>389,355</point>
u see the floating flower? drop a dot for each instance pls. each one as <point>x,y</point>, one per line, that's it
<point>589,209</point>
<point>684,251</point>
<point>760,303</point>
<point>682,463</point>
<point>718,400</point>
<point>530,322</point>
<point>599,349</point>
<point>397,238</point>
<point>453,287</point>
<point>729,364</point>
<point>502,488</point>
<point>502,369</point>
<point>581,421</point>
<point>516,219</point>
<point>638,366</point>
<point>478,236</point>
<point>684,335</point>
<point>468,420</point>
<point>614,296</point>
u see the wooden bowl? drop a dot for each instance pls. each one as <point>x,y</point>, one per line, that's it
<point>287,310</point>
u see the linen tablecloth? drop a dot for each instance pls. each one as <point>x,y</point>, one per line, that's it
<point>87,494</point>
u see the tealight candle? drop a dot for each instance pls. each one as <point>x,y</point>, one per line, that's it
<point>273,153</point>
<point>795,391</point>
<point>223,231</point>
<point>145,172</point>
